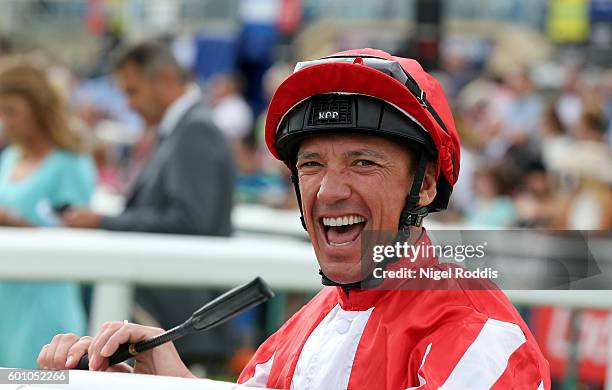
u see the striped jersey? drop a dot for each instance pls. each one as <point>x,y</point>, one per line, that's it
<point>400,339</point>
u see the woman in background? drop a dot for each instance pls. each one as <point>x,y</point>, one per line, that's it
<point>492,207</point>
<point>42,170</point>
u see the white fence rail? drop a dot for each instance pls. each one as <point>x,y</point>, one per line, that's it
<point>96,380</point>
<point>117,261</point>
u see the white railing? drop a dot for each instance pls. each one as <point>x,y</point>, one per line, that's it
<point>95,380</point>
<point>117,261</point>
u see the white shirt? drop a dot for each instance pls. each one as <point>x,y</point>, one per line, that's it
<point>177,110</point>
<point>233,116</point>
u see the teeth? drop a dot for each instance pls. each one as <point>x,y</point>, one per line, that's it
<point>343,221</point>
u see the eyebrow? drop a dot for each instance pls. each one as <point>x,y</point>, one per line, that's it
<point>366,153</point>
<point>350,154</point>
<point>308,155</point>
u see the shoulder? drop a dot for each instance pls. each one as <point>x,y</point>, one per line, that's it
<point>65,156</point>
<point>77,162</point>
<point>451,300</point>
<point>8,154</point>
<point>198,123</point>
<point>484,297</point>
<point>480,354</point>
<point>313,311</point>
<point>199,115</point>
<point>196,131</point>
<point>470,288</point>
<point>325,299</point>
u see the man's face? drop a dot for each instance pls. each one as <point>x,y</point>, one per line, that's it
<point>142,93</point>
<point>357,181</point>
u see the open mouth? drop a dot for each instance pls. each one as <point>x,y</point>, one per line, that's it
<point>343,230</point>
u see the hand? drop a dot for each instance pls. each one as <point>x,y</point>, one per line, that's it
<point>9,219</point>
<point>5,217</point>
<point>65,351</point>
<point>81,218</point>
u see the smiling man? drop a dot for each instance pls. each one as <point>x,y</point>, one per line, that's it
<point>372,146</point>
<point>349,182</point>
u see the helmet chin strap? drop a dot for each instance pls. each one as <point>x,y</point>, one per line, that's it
<point>412,215</point>
<point>296,186</point>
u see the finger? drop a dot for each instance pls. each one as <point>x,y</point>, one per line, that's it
<point>76,352</point>
<point>68,214</point>
<point>66,219</point>
<point>98,343</point>
<point>71,215</point>
<point>50,351</point>
<point>61,352</point>
<point>129,333</point>
<point>42,357</point>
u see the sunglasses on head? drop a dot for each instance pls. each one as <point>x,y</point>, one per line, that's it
<point>390,68</point>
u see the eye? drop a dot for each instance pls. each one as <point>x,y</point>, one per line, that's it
<point>307,164</point>
<point>365,163</point>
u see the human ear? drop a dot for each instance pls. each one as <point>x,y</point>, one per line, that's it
<point>428,188</point>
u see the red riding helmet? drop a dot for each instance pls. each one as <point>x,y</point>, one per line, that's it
<point>369,91</point>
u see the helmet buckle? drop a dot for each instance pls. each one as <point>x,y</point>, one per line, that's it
<point>422,99</point>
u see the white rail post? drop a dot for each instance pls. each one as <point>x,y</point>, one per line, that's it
<point>110,302</point>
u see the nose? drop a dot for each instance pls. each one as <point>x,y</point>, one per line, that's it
<point>334,187</point>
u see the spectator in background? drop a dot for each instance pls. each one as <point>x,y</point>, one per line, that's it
<point>42,169</point>
<point>271,81</point>
<point>607,104</point>
<point>231,113</point>
<point>569,104</point>
<point>492,208</point>
<point>233,116</point>
<point>590,207</point>
<point>457,69</point>
<point>185,188</point>
<point>592,126</point>
<point>537,204</point>
<point>3,138</point>
<point>555,143</point>
<point>519,118</point>
<point>263,178</point>
<point>476,124</point>
<point>5,49</point>
<point>174,193</point>
<point>6,46</point>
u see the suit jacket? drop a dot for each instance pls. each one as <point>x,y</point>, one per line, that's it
<point>186,188</point>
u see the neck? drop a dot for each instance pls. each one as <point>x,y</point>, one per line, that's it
<point>36,147</point>
<point>416,232</point>
<point>174,94</point>
<point>171,93</point>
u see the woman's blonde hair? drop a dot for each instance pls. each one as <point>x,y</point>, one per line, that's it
<point>48,106</point>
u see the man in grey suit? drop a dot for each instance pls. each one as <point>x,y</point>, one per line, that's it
<point>187,185</point>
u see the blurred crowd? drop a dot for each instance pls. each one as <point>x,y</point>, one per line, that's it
<point>533,156</point>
